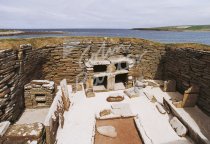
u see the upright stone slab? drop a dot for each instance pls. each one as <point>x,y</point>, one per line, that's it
<point>65,94</point>
<point>3,127</point>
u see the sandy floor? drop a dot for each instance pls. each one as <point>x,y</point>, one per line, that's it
<point>33,115</point>
<point>126,132</point>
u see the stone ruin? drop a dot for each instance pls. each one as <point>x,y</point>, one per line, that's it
<point>39,93</point>
<point>185,64</point>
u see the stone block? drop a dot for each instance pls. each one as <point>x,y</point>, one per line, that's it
<point>25,133</point>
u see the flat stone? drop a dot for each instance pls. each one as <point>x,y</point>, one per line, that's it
<point>108,131</point>
<point>131,93</point>
<point>140,84</point>
<point>179,128</point>
<point>3,127</point>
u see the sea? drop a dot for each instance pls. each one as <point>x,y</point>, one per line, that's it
<point>158,36</point>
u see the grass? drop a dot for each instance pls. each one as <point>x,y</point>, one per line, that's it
<point>53,41</point>
<point>179,28</point>
<point>35,42</point>
<point>2,30</point>
<point>41,42</point>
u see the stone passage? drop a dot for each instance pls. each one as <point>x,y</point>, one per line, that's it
<point>39,93</point>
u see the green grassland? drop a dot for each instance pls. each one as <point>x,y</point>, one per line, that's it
<point>179,28</point>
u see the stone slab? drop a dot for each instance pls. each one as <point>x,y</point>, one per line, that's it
<point>3,127</point>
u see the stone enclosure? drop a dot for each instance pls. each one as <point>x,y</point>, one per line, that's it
<point>76,59</point>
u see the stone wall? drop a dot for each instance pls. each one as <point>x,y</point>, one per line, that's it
<point>189,64</point>
<point>68,61</point>
<point>17,67</point>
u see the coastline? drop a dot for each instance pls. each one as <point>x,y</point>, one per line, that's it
<point>15,33</point>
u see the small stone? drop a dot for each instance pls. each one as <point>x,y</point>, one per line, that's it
<point>140,84</point>
<point>105,112</point>
<point>179,128</point>
<point>108,131</point>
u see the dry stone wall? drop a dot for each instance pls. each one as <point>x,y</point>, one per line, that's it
<point>68,61</point>
<point>188,65</point>
<point>17,67</point>
<point>153,60</point>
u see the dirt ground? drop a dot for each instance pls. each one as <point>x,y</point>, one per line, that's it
<point>126,132</point>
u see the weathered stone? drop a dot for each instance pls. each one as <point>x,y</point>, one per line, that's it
<point>108,131</point>
<point>18,134</point>
<point>65,94</point>
<point>179,128</point>
<point>131,93</point>
<point>3,127</point>
<point>90,94</point>
<point>115,98</point>
<point>105,112</point>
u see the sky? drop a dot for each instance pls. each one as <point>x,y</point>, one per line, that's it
<point>102,13</point>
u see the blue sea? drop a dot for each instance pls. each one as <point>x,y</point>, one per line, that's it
<point>158,36</point>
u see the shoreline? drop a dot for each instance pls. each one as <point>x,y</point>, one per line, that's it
<point>15,33</point>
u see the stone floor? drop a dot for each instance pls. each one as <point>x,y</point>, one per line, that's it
<point>33,116</point>
<point>80,120</point>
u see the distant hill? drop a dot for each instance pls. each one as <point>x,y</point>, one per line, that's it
<point>179,28</point>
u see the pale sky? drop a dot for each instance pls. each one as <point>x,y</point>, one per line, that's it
<point>102,13</point>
